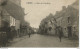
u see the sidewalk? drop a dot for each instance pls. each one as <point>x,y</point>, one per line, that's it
<point>17,39</point>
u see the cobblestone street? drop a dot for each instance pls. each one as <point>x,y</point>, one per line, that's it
<point>37,40</point>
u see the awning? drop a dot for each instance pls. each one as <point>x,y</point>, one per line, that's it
<point>14,10</point>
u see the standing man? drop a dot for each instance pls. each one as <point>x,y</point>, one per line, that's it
<point>29,33</point>
<point>60,33</point>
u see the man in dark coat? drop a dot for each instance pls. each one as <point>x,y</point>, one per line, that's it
<point>60,32</point>
<point>29,34</point>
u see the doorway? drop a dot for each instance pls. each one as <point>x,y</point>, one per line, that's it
<point>69,31</point>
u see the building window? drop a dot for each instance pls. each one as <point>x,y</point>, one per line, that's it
<point>68,19</point>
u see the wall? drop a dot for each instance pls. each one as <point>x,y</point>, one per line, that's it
<point>12,21</point>
<point>0,16</point>
<point>0,21</point>
<point>17,25</point>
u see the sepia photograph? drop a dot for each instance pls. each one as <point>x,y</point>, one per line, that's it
<point>39,23</point>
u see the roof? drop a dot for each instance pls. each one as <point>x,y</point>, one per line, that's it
<point>14,10</point>
<point>76,5</point>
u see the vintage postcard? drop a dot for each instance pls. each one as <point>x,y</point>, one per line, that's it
<point>39,23</point>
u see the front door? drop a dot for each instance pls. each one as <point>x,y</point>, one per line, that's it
<point>69,31</point>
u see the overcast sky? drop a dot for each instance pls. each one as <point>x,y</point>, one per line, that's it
<point>37,12</point>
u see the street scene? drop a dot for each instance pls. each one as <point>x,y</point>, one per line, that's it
<point>48,23</point>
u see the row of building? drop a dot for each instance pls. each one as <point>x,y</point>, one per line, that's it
<point>12,15</point>
<point>67,18</point>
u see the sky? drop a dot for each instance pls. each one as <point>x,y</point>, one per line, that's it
<point>36,12</point>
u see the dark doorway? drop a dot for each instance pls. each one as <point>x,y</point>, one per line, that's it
<point>69,31</point>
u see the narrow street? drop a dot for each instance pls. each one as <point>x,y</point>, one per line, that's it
<point>21,18</point>
<point>37,40</point>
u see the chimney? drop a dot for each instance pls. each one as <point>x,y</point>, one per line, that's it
<point>64,8</point>
<point>57,12</point>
